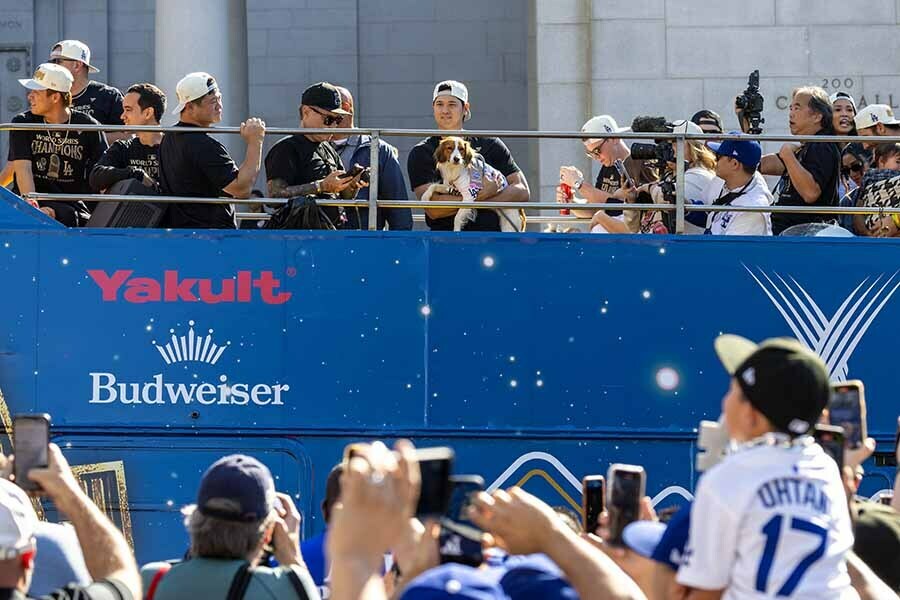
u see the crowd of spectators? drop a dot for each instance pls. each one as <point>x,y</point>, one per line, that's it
<point>773,516</point>
<point>305,168</point>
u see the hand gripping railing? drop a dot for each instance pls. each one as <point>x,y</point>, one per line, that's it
<point>377,134</point>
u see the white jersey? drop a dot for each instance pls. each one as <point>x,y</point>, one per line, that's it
<point>740,223</point>
<point>771,521</point>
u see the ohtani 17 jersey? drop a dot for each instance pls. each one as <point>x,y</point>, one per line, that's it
<point>771,521</point>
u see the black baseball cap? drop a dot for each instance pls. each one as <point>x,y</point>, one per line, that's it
<point>237,488</point>
<point>708,117</point>
<point>782,379</point>
<point>325,96</point>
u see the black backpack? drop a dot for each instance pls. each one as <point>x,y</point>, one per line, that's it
<point>301,212</point>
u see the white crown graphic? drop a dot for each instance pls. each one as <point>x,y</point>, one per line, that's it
<point>191,348</point>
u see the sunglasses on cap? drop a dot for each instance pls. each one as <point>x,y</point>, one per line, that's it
<point>329,120</point>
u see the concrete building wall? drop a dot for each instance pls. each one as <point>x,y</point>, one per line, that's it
<point>538,64</point>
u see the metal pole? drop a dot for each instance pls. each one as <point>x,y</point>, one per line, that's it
<point>679,184</point>
<point>373,181</point>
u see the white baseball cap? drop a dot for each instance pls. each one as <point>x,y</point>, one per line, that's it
<point>685,126</point>
<point>873,114</point>
<point>601,124</point>
<point>451,88</point>
<point>193,86</point>
<point>17,521</point>
<point>73,50</point>
<point>50,77</point>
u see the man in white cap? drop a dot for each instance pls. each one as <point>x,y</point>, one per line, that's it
<point>54,162</point>
<point>450,103</point>
<point>101,101</point>
<point>107,555</point>
<point>606,189</point>
<point>876,120</point>
<point>197,165</point>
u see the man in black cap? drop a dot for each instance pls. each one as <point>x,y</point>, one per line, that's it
<point>238,513</point>
<point>777,484</point>
<point>308,165</point>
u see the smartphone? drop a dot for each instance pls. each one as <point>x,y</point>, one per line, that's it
<point>593,491</point>
<point>833,441</point>
<point>847,409</point>
<point>435,466</point>
<point>623,173</point>
<point>31,441</point>
<point>626,485</point>
<point>354,171</point>
<point>460,539</point>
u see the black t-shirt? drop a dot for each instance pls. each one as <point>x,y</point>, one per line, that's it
<point>100,101</point>
<point>823,161</point>
<point>122,160</point>
<point>422,170</point>
<point>61,161</point>
<point>195,165</point>
<point>107,589</point>
<point>609,180</point>
<point>296,160</point>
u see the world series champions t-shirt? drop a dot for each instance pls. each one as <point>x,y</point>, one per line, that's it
<point>60,161</point>
<point>609,180</point>
<point>101,101</point>
<point>122,160</point>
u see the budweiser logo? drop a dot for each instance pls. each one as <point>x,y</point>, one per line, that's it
<point>108,388</point>
<point>243,286</point>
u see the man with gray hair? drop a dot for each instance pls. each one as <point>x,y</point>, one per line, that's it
<point>238,515</point>
<point>809,171</point>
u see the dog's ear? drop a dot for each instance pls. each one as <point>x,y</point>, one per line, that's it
<point>469,154</point>
<point>440,153</point>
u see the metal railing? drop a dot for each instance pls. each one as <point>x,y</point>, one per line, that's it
<point>373,203</point>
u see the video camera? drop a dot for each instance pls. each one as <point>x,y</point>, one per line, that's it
<point>751,104</point>
<point>660,151</point>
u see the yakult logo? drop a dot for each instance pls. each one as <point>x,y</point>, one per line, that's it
<point>242,287</point>
<point>190,348</point>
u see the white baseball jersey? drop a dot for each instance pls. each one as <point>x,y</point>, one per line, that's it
<point>771,521</point>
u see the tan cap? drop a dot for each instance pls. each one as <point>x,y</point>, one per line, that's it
<point>50,77</point>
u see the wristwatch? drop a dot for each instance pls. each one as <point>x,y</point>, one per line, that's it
<point>578,183</point>
<point>318,186</point>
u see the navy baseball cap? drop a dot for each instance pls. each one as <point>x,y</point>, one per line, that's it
<point>747,152</point>
<point>452,581</point>
<point>535,577</point>
<point>663,543</point>
<point>236,488</point>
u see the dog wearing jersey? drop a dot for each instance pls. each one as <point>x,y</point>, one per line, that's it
<point>465,173</point>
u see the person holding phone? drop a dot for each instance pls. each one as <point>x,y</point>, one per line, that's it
<point>307,164</point>
<point>107,555</point>
<point>771,519</point>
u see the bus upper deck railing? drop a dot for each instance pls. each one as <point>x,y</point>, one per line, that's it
<point>376,134</point>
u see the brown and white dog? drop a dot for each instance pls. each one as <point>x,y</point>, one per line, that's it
<point>466,173</point>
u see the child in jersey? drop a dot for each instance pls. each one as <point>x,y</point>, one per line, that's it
<point>770,520</point>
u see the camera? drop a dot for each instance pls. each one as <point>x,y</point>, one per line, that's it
<point>660,151</point>
<point>750,102</point>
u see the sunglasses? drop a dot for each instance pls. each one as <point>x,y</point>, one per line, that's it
<point>595,153</point>
<point>329,120</point>
<point>855,167</point>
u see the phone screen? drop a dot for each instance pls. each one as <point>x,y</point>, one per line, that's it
<point>593,489</point>
<point>844,411</point>
<point>624,502</point>
<point>460,540</point>
<point>31,436</point>
<point>435,465</point>
<point>832,443</point>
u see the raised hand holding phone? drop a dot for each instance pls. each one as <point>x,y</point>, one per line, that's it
<point>31,440</point>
